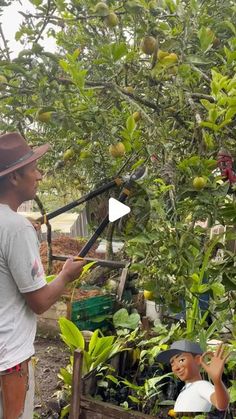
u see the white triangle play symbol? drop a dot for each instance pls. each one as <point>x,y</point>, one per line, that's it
<point>116,210</point>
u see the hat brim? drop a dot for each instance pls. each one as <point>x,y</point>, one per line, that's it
<point>165,356</point>
<point>37,153</point>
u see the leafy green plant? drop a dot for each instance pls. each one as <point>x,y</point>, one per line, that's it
<point>143,395</point>
<point>100,350</point>
<point>123,321</point>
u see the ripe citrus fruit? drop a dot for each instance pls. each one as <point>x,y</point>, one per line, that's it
<point>112,20</point>
<point>69,154</point>
<point>44,116</point>
<point>137,116</point>
<point>148,295</point>
<point>101,9</point>
<point>148,45</point>
<point>117,150</point>
<point>199,182</point>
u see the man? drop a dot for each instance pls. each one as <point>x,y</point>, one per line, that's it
<point>23,289</point>
<point>198,395</point>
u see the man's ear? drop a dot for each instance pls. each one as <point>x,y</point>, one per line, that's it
<point>13,178</point>
<point>197,359</point>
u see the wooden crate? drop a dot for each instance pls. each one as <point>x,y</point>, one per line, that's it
<point>95,409</point>
<point>85,407</point>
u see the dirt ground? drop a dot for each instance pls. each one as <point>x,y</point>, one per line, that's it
<point>51,354</point>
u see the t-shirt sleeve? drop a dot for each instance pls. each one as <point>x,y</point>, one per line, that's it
<point>24,260</point>
<point>205,390</point>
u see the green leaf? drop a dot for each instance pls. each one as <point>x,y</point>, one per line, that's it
<point>113,379</point>
<point>209,140</point>
<point>118,50</point>
<point>208,105</point>
<point>36,2</point>
<point>137,164</point>
<point>130,124</point>
<point>93,341</point>
<point>102,343</point>
<point>218,289</point>
<point>65,411</point>
<point>134,399</point>
<point>71,334</point>
<point>66,376</point>
<point>206,37</point>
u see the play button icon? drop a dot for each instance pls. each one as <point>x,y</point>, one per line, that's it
<point>116,210</point>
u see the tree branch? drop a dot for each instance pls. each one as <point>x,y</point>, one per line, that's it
<point>5,43</point>
<point>202,96</point>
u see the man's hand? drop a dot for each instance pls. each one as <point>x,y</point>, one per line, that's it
<point>72,269</point>
<point>215,367</point>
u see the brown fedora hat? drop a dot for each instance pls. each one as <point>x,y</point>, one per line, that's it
<point>16,153</point>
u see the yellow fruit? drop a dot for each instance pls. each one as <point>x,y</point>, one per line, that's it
<point>111,20</point>
<point>148,295</point>
<point>172,413</point>
<point>101,9</point>
<point>117,150</point>
<point>44,116</point>
<point>3,81</point>
<point>162,54</point>
<point>148,45</point>
<point>171,58</point>
<point>69,154</point>
<point>199,182</point>
<point>84,154</point>
<point>137,116</point>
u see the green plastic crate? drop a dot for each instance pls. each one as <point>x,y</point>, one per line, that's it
<point>85,313</point>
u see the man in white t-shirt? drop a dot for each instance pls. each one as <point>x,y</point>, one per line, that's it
<point>23,289</point>
<point>198,395</point>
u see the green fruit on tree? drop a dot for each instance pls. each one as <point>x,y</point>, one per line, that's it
<point>44,116</point>
<point>199,182</point>
<point>162,54</point>
<point>3,81</point>
<point>84,154</point>
<point>171,58</point>
<point>117,150</point>
<point>112,20</point>
<point>101,9</point>
<point>137,116</point>
<point>148,45</point>
<point>69,154</point>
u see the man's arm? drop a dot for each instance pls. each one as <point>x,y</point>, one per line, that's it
<point>220,398</point>
<point>40,300</point>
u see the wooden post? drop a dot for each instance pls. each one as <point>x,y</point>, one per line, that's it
<point>76,385</point>
<point>122,282</point>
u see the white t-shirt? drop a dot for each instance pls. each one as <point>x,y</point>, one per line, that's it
<point>195,397</point>
<point>21,271</point>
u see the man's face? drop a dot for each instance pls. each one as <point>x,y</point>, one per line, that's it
<point>186,366</point>
<point>27,181</point>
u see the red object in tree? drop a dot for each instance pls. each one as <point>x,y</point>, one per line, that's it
<point>225,162</point>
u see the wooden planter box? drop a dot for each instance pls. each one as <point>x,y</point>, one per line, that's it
<point>94,409</point>
<point>86,407</point>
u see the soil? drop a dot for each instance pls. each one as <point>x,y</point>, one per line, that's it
<point>51,354</point>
